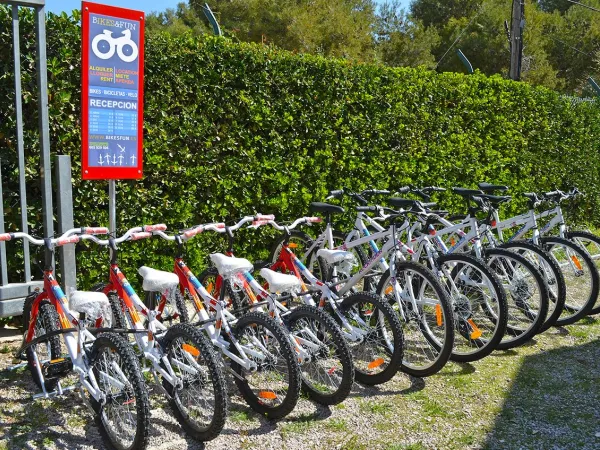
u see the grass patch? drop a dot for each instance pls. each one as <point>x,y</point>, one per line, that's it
<point>301,424</point>
<point>336,425</point>
<point>239,416</point>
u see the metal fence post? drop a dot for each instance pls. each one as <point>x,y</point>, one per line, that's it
<point>64,197</point>
<point>3,262</point>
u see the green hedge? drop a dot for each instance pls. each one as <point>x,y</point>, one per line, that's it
<point>232,129</point>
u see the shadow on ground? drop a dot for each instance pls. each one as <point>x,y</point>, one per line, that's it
<point>554,402</point>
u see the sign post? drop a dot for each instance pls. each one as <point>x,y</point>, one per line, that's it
<point>112,96</point>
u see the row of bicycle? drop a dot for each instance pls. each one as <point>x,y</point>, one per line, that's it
<point>408,288</point>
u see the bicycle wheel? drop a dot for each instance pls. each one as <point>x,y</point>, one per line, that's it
<point>581,278</point>
<point>124,417</point>
<point>45,350</point>
<point>327,378</point>
<point>378,356</point>
<point>428,323</point>
<point>526,292</point>
<point>553,277</point>
<point>208,279</point>
<point>273,388</point>
<point>118,319</point>
<point>200,401</point>
<point>338,240</point>
<point>479,304</point>
<point>591,244</point>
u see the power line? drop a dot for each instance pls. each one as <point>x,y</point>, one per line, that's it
<point>461,34</point>
<point>585,6</point>
<point>571,47</point>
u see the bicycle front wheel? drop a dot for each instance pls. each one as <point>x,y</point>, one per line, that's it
<point>125,415</point>
<point>199,400</point>
<point>427,320</point>
<point>526,292</point>
<point>581,278</point>
<point>591,244</point>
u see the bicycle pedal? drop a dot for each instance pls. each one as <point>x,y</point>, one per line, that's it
<point>57,367</point>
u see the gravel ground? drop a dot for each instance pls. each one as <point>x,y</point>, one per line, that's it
<point>543,395</point>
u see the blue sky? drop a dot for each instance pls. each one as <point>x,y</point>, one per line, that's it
<point>57,6</point>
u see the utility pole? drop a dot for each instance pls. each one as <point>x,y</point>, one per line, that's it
<point>516,38</point>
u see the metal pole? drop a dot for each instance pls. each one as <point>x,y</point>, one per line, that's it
<point>64,197</point>
<point>3,261</point>
<point>20,145</point>
<point>42,80</point>
<point>516,38</point>
<point>112,208</point>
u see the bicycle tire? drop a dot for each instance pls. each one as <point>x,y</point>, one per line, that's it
<point>465,328</point>
<point>580,237</point>
<point>337,347</point>
<point>116,345</point>
<point>555,280</point>
<point>369,377</point>
<point>442,345</point>
<point>254,321</point>
<point>195,338</point>
<point>516,294</point>
<point>48,321</point>
<point>572,313</point>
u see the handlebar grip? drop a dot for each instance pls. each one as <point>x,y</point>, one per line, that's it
<point>68,240</point>
<point>437,189</point>
<point>95,230</point>
<point>404,190</point>
<point>314,220</point>
<point>141,235</point>
<point>366,208</point>
<point>336,193</point>
<point>552,193</point>
<point>193,232</point>
<point>157,227</point>
<point>266,217</point>
<point>258,223</point>
<point>5,237</point>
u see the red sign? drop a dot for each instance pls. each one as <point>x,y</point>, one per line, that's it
<point>112,92</point>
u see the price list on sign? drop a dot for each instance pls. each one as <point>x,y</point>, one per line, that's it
<point>112,92</point>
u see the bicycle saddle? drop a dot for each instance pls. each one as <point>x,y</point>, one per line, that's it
<point>489,188</point>
<point>157,280</point>
<point>93,304</point>
<point>280,282</point>
<point>332,257</point>
<point>466,192</point>
<point>326,208</point>
<point>496,200</point>
<point>228,266</point>
<point>405,203</point>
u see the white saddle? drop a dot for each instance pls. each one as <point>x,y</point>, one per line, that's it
<point>280,282</point>
<point>332,257</point>
<point>157,280</point>
<point>93,304</point>
<point>229,266</point>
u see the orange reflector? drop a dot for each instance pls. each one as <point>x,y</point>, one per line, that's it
<point>129,402</point>
<point>268,395</point>
<point>375,363</point>
<point>54,361</point>
<point>191,349</point>
<point>438,315</point>
<point>452,241</point>
<point>389,290</point>
<point>210,288</point>
<point>331,371</point>
<point>576,261</point>
<point>292,245</point>
<point>476,333</point>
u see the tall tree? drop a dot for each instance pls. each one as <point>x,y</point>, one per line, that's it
<point>176,21</point>
<point>439,12</point>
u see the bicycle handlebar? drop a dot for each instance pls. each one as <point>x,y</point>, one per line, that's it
<point>71,236</point>
<point>302,220</point>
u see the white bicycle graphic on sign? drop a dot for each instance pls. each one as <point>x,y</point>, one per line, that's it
<point>115,44</point>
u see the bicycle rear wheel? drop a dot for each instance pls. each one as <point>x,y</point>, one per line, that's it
<point>274,388</point>
<point>428,327</point>
<point>328,376</point>
<point>378,356</point>
<point>124,418</point>
<point>200,403</point>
